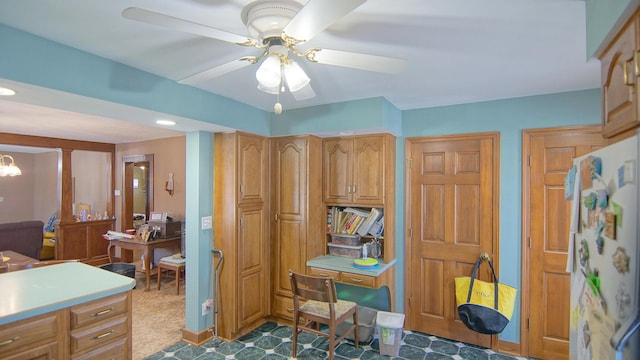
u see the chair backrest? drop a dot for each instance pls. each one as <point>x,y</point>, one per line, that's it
<point>313,287</point>
<point>25,266</point>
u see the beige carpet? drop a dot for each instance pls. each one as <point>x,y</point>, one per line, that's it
<point>158,316</point>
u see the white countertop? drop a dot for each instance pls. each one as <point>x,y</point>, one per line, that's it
<point>32,292</point>
<point>342,263</point>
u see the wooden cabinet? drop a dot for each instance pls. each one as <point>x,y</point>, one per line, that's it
<point>83,241</point>
<point>359,171</point>
<point>297,213</point>
<point>99,329</point>
<point>241,230</point>
<point>620,77</point>
<point>40,337</point>
<point>354,169</point>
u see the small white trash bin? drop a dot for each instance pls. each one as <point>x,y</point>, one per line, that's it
<point>389,332</point>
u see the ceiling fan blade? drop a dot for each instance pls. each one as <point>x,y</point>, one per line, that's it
<point>155,18</point>
<point>317,15</point>
<point>214,72</point>
<point>304,93</point>
<point>367,62</point>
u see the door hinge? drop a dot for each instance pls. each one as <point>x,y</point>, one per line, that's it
<point>275,217</point>
<point>410,163</point>
<point>530,160</point>
<point>241,189</point>
<point>528,322</point>
<point>529,242</point>
<point>410,233</point>
<point>409,301</point>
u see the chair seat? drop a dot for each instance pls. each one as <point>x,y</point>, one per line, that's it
<point>319,308</point>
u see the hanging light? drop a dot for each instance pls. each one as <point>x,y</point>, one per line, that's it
<point>269,73</point>
<point>294,76</point>
<point>8,169</point>
<point>278,69</point>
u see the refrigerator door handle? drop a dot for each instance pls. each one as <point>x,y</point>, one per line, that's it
<point>626,331</point>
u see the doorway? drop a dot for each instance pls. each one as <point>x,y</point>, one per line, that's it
<point>452,217</point>
<point>137,188</point>
<point>547,157</point>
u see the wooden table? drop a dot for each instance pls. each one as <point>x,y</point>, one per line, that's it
<point>14,258</point>
<point>146,248</point>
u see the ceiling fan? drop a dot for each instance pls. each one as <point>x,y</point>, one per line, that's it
<point>277,28</point>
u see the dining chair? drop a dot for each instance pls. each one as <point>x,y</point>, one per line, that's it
<point>315,300</point>
<point>35,264</point>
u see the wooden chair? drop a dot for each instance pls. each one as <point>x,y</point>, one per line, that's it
<point>321,307</point>
<point>31,265</point>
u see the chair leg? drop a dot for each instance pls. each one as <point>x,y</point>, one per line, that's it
<point>355,330</point>
<point>294,346</point>
<point>332,339</point>
<point>159,276</point>
<point>177,281</point>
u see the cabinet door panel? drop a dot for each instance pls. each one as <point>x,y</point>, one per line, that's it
<point>338,170</point>
<point>252,167</point>
<point>252,265</point>
<point>368,170</point>
<point>620,83</point>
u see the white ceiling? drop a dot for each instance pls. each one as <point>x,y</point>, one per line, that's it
<point>457,51</point>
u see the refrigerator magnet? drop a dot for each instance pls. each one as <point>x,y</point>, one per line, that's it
<point>617,211</point>
<point>583,253</point>
<point>585,173</point>
<point>600,244</point>
<point>621,260</point>
<point>590,201</point>
<point>610,225</point>
<point>602,198</point>
<point>569,183</point>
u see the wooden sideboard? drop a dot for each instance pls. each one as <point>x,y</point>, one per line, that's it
<point>83,241</point>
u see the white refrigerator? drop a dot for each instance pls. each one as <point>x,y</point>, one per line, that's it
<point>604,253</point>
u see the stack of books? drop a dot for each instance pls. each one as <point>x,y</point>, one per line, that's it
<point>351,220</point>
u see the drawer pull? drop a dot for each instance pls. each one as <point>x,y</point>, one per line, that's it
<point>325,275</point>
<point>103,312</point>
<point>356,280</point>
<point>101,336</point>
<point>289,310</point>
<point>10,341</point>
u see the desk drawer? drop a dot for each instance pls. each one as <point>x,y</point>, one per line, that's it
<point>99,334</point>
<point>324,273</point>
<point>357,279</point>
<point>98,310</point>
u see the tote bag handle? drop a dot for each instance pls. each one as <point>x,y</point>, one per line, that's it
<point>495,281</point>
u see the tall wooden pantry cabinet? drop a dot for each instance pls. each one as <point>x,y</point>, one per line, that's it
<point>297,213</point>
<point>241,230</point>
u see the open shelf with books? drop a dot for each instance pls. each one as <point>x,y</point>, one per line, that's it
<point>363,225</point>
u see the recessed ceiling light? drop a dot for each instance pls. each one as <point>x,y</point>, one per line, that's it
<point>165,122</point>
<point>6,91</point>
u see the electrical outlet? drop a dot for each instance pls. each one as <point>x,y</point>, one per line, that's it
<point>207,222</point>
<point>206,307</point>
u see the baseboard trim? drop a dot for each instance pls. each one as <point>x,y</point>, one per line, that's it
<point>197,338</point>
<point>510,348</point>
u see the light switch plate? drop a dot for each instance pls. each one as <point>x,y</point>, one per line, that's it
<point>629,171</point>
<point>207,222</point>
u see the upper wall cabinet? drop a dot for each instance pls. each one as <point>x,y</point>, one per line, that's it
<point>354,169</point>
<point>620,76</point>
<point>252,163</point>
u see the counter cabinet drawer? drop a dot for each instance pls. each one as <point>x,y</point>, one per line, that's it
<point>345,277</point>
<point>24,334</point>
<point>283,307</point>
<point>324,273</point>
<point>99,334</point>
<point>99,310</point>
<point>114,350</point>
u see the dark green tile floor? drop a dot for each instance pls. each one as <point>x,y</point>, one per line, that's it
<point>273,341</point>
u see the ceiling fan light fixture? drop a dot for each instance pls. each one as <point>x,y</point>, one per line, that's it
<point>269,73</point>
<point>295,77</point>
<point>269,90</point>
